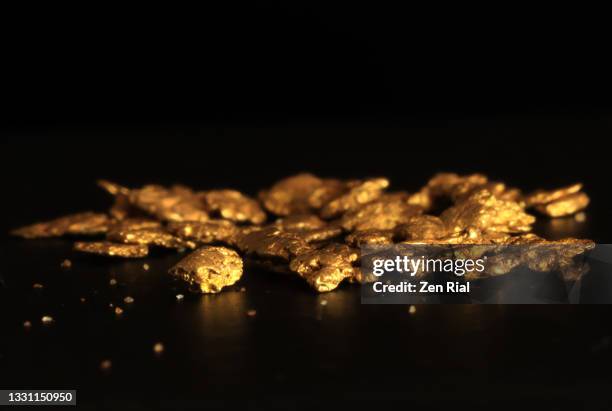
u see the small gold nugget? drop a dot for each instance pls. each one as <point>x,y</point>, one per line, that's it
<point>385,213</point>
<point>233,205</point>
<point>87,223</point>
<point>326,268</point>
<point>360,193</point>
<point>210,268</point>
<point>113,249</point>
<point>290,195</point>
<point>559,203</point>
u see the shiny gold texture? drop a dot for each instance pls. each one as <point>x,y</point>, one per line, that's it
<point>207,232</point>
<point>107,248</point>
<point>484,212</point>
<point>155,236</point>
<point>209,268</point>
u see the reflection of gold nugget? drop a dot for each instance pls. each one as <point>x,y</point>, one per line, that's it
<point>87,223</point>
<point>210,268</point>
<point>113,249</point>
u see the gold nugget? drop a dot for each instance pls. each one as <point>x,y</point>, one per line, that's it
<point>155,236</point>
<point>271,243</point>
<point>326,268</point>
<point>386,213</point>
<point>361,193</point>
<point>235,206</point>
<point>484,212</point>
<point>87,223</point>
<point>113,249</point>
<point>559,203</point>
<point>207,232</point>
<point>290,195</point>
<point>209,268</point>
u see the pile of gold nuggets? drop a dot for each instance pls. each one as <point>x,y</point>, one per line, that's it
<point>314,227</point>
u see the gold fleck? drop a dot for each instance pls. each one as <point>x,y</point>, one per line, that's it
<point>412,310</point>
<point>66,264</point>
<point>118,310</point>
<point>27,325</point>
<point>251,313</point>
<point>106,365</point>
<point>47,319</point>
<point>128,300</point>
<point>580,217</point>
<point>145,267</point>
<point>37,286</point>
<point>158,348</point>
<point>180,297</point>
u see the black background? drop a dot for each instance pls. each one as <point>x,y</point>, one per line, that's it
<point>242,95</point>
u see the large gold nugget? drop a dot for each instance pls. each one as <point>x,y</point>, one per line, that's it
<point>385,213</point>
<point>291,195</point>
<point>177,203</point>
<point>235,206</point>
<point>113,249</point>
<point>156,236</point>
<point>484,212</point>
<point>207,232</point>
<point>359,194</point>
<point>326,268</point>
<point>87,223</point>
<point>209,268</point>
